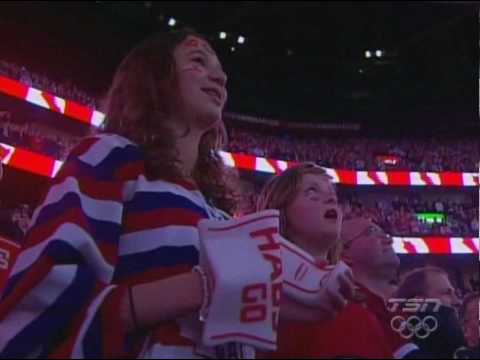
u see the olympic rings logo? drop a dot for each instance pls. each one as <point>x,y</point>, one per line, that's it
<point>414,326</point>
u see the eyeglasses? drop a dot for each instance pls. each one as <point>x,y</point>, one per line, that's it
<point>371,231</point>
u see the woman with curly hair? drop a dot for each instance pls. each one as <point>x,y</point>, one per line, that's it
<point>106,266</point>
<point>106,269</point>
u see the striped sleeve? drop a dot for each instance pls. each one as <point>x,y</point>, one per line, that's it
<point>160,236</point>
<point>60,300</point>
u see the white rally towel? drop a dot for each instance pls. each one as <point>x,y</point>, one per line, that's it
<point>243,259</point>
<point>306,281</point>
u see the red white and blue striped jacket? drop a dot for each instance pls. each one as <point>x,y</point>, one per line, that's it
<point>101,227</point>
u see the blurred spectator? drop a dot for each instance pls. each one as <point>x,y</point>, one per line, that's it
<point>470,318</point>
<point>21,217</point>
<point>434,283</point>
<point>14,222</point>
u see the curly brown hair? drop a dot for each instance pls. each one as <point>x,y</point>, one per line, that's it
<point>140,100</point>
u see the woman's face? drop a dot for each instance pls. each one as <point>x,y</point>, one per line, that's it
<point>201,82</point>
<point>314,214</point>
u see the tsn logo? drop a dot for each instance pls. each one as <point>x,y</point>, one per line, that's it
<point>4,259</point>
<point>255,297</point>
<point>413,305</point>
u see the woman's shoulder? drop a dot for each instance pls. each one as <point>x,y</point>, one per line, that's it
<point>108,155</point>
<point>102,144</point>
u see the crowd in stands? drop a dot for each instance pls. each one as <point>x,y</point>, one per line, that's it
<point>342,153</point>
<point>399,216</point>
<point>361,153</point>
<point>67,89</point>
<point>353,154</point>
<point>34,137</point>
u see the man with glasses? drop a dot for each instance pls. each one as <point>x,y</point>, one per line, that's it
<point>368,250</point>
<point>420,313</point>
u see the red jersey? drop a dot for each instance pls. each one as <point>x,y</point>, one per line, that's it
<point>359,331</point>
<point>398,345</point>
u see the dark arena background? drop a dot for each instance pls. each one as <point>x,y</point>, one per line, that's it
<point>384,95</point>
